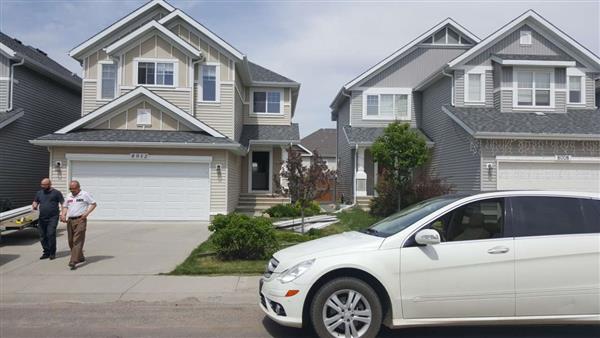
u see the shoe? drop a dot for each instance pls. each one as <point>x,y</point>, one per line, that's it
<point>52,257</point>
<point>81,260</point>
<point>72,266</point>
<point>44,256</point>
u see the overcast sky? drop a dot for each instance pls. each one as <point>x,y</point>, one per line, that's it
<point>321,44</point>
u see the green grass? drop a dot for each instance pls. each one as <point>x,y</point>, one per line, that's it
<point>203,261</point>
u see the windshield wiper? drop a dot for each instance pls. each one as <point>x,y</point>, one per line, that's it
<point>373,232</point>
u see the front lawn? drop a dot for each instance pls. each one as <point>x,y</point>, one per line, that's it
<point>203,261</point>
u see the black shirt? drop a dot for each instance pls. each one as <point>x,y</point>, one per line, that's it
<point>48,201</point>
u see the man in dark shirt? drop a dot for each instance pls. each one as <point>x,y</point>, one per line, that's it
<point>48,201</point>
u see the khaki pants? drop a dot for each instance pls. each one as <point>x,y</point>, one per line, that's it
<point>76,234</point>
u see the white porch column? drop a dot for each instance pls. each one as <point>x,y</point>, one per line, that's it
<point>361,175</point>
<point>284,157</point>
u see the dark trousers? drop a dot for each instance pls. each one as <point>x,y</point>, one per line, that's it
<point>47,230</point>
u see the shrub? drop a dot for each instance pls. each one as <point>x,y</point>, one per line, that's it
<point>293,210</point>
<point>386,201</point>
<point>237,236</point>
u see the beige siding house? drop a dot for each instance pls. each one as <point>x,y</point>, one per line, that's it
<point>176,123</point>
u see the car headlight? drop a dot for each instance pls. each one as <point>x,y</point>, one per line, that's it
<point>295,271</point>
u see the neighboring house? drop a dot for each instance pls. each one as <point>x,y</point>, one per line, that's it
<point>324,142</point>
<point>177,124</point>
<point>515,110</point>
<point>37,96</point>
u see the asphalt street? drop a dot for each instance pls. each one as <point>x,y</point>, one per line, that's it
<point>190,318</point>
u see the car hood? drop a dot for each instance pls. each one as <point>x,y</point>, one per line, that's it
<point>346,242</point>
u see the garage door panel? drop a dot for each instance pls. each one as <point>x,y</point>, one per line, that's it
<point>146,190</point>
<point>569,176</point>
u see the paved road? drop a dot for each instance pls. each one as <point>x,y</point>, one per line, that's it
<point>194,319</point>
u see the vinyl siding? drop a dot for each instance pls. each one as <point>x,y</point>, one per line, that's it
<point>234,180</point>
<point>452,157</point>
<point>180,97</point>
<point>411,69</point>
<point>238,118</point>
<point>492,148</point>
<point>48,106</point>
<point>218,184</point>
<point>590,93</point>
<point>218,115</point>
<point>356,110</point>
<point>344,155</point>
<point>127,119</point>
<point>459,99</point>
<point>90,97</point>
<point>257,119</point>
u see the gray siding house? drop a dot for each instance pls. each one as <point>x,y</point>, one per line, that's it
<point>37,96</point>
<point>516,110</point>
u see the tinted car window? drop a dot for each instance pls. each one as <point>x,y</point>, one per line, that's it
<point>540,216</point>
<point>477,220</point>
<point>591,213</point>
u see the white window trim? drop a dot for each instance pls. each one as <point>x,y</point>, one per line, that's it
<point>253,113</point>
<point>137,117</point>
<point>99,81</point>
<point>387,91</point>
<point>175,63</point>
<point>522,34</point>
<point>481,73</point>
<point>516,105</point>
<point>217,82</point>
<point>581,74</point>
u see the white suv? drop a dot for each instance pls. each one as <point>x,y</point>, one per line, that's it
<point>486,258</point>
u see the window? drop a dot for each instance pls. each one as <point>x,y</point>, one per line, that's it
<point>477,220</point>
<point>542,216</point>
<point>475,87</point>
<point>533,88</point>
<point>144,117</point>
<point>387,106</point>
<point>156,73</point>
<point>591,211</point>
<point>109,81</point>
<point>266,102</point>
<point>447,36</point>
<point>525,38</point>
<point>209,83</point>
<point>575,89</point>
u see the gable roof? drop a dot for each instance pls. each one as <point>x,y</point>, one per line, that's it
<point>139,92</point>
<point>39,60</point>
<point>153,25</point>
<point>77,51</point>
<point>530,15</point>
<point>491,123</point>
<point>323,140</point>
<point>402,51</point>
<point>181,15</point>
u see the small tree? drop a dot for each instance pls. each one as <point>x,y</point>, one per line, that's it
<point>398,151</point>
<point>304,184</point>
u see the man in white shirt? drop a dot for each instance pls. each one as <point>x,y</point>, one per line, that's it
<point>78,205</point>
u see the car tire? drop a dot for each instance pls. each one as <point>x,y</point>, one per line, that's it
<point>369,302</point>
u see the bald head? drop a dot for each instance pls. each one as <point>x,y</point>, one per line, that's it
<point>74,187</point>
<point>46,183</point>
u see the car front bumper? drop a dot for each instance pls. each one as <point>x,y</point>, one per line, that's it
<point>272,292</point>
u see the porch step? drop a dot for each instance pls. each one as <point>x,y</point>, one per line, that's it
<point>364,202</point>
<point>256,204</point>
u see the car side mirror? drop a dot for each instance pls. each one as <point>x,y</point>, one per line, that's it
<point>427,237</point>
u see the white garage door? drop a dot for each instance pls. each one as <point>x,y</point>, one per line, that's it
<point>146,190</point>
<point>567,176</point>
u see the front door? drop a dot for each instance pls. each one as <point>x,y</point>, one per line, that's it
<point>260,170</point>
<point>470,274</point>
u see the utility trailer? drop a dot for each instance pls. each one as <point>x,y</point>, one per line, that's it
<point>18,219</point>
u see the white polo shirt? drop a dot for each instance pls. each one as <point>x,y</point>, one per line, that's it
<point>77,205</point>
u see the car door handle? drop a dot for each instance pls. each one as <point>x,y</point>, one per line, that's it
<point>498,250</point>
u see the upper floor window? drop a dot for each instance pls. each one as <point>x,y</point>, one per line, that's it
<point>267,102</point>
<point>156,73</point>
<point>533,88</point>
<point>108,80</point>
<point>447,36</point>
<point>525,37</point>
<point>386,106</point>
<point>475,87</point>
<point>209,83</point>
<point>576,89</point>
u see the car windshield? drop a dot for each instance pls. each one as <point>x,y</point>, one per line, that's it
<point>408,216</point>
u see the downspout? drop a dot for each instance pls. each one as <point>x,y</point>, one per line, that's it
<point>12,81</point>
<point>451,76</point>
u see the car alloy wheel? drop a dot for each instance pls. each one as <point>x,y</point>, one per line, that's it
<point>347,313</point>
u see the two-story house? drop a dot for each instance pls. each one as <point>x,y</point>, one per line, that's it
<point>176,123</point>
<point>37,96</point>
<point>515,110</point>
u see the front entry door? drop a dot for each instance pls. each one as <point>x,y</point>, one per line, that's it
<point>260,164</point>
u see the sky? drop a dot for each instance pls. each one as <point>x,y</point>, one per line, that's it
<point>321,44</point>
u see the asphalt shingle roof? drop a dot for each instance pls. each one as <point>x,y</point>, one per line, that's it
<point>270,133</point>
<point>490,120</point>
<point>262,74</point>
<point>357,135</point>
<point>38,56</point>
<point>118,135</point>
<point>323,140</point>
